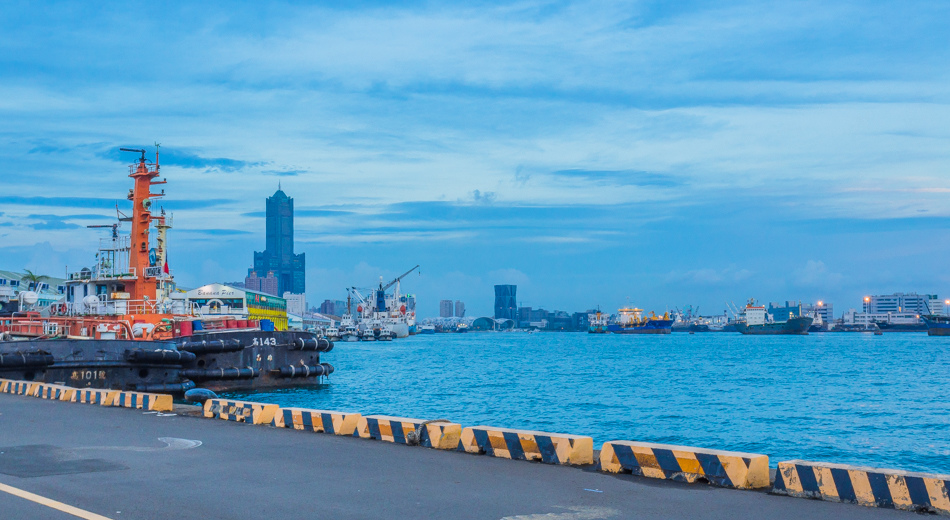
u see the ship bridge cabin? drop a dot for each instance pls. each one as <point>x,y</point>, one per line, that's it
<point>756,315</point>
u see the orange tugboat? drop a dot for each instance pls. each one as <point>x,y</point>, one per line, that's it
<point>120,326</point>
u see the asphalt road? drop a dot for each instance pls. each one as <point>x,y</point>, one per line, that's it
<point>110,462</point>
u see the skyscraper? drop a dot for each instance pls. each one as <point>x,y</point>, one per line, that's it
<point>445,309</point>
<point>506,307</point>
<point>278,256</point>
<point>459,309</point>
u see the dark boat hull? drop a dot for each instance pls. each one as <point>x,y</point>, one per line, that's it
<point>265,353</point>
<point>229,360</point>
<point>93,364</point>
<point>649,327</point>
<point>794,326</point>
<point>937,325</point>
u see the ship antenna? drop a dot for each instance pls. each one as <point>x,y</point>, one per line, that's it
<point>136,150</point>
<point>157,146</point>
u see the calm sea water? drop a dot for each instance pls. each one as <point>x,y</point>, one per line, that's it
<point>849,398</point>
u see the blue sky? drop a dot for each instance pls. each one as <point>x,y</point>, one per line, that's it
<point>590,152</point>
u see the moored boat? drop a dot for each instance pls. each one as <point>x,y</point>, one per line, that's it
<point>632,321</point>
<point>937,325</point>
<point>120,325</point>
<point>597,323</point>
<point>756,321</point>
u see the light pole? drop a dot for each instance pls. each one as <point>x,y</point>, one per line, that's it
<point>867,312</point>
<point>946,307</point>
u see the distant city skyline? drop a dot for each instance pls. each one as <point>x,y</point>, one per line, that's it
<point>591,154</point>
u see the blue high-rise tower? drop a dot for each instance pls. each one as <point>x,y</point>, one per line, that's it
<point>278,256</point>
<point>506,306</point>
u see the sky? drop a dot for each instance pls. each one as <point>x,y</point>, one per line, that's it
<point>660,154</point>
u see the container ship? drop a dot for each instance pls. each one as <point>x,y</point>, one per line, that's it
<point>122,327</point>
<point>755,320</point>
<point>632,321</point>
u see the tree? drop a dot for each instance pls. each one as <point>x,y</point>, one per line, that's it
<point>33,280</point>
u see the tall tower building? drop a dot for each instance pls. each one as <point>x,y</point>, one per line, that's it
<point>459,309</point>
<point>278,256</point>
<point>445,309</point>
<point>505,302</point>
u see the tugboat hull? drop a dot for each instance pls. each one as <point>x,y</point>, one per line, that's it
<point>111,364</point>
<point>232,360</point>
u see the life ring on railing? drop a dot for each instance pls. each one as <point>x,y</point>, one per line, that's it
<point>58,309</point>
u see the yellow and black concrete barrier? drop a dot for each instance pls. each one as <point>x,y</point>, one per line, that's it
<point>441,434</point>
<point>241,411</point>
<point>681,463</point>
<point>20,387</point>
<point>324,421</point>
<point>55,392</point>
<point>551,448</point>
<point>872,487</point>
<point>144,401</point>
<point>94,396</point>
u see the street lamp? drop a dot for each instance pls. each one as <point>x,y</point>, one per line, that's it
<point>867,309</point>
<point>946,307</point>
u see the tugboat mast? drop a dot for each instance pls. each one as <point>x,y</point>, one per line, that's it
<point>143,285</point>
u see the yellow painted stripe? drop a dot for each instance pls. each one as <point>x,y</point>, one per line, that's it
<point>75,511</point>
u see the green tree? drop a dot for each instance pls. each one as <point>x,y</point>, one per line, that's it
<point>33,280</point>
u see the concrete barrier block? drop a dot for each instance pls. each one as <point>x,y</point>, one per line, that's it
<point>144,401</point>
<point>685,464</point>
<point>550,448</point>
<point>3,385</point>
<point>94,396</point>
<point>21,388</point>
<point>324,421</point>
<point>55,392</point>
<point>874,487</point>
<point>442,435</point>
<point>241,411</point>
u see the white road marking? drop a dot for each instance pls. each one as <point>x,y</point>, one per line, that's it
<point>575,513</point>
<point>75,511</point>
<point>172,444</point>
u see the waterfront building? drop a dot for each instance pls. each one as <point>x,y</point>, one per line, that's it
<point>332,308</point>
<point>824,309</point>
<point>506,306</point>
<point>785,312</point>
<point>296,303</point>
<point>901,303</point>
<point>48,290</point>
<point>459,309</point>
<point>446,309</point>
<point>218,300</point>
<point>267,284</point>
<point>278,256</point>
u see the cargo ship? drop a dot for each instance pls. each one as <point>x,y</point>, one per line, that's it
<point>120,325</point>
<point>937,325</point>
<point>597,323</point>
<point>755,320</point>
<point>632,321</point>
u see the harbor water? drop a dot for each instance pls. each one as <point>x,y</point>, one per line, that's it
<point>848,397</point>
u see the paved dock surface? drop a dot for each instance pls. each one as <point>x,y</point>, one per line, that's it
<point>110,462</point>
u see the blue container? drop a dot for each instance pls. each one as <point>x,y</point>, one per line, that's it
<point>197,325</point>
<point>267,325</point>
